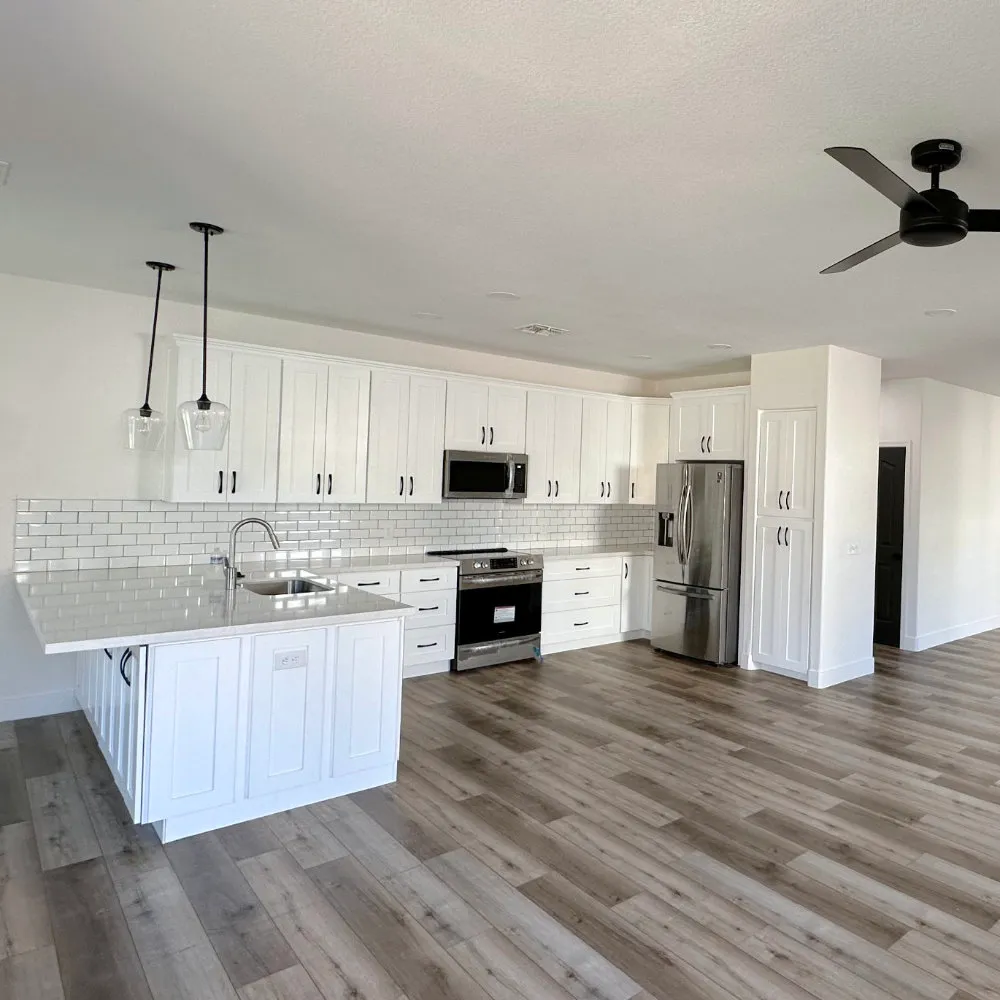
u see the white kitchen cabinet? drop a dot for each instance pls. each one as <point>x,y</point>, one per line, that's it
<point>366,697</point>
<point>786,463</point>
<point>649,445</point>
<point>191,742</point>
<point>709,426</point>
<point>637,593</point>
<point>604,445</point>
<point>485,416</point>
<point>782,595</point>
<point>324,432</point>
<point>287,685</point>
<point>245,470</point>
<point>552,443</point>
<point>405,438</point>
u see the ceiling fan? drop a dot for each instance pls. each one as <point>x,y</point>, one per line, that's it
<point>932,218</point>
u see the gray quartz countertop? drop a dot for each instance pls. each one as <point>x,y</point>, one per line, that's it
<point>575,551</point>
<point>90,609</point>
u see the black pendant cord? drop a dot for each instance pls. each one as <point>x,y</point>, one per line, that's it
<point>145,410</point>
<point>207,229</point>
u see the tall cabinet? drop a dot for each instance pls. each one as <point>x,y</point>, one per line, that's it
<point>649,445</point>
<point>604,460</point>
<point>554,422</point>
<point>783,541</point>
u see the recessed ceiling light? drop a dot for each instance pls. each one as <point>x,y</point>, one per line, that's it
<point>720,347</point>
<point>542,330</point>
<point>428,315</point>
<point>4,172</point>
<point>509,296</point>
<point>937,313</point>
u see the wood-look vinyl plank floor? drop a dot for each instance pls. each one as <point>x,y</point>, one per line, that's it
<point>610,825</point>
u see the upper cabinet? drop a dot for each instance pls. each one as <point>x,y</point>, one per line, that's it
<point>552,442</point>
<point>709,426</point>
<point>246,469</point>
<point>485,416</point>
<point>405,438</point>
<point>324,432</point>
<point>649,445</point>
<point>604,460</point>
<point>786,467</point>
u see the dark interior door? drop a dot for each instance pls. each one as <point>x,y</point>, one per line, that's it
<point>889,545</point>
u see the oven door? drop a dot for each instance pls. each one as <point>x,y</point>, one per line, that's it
<point>494,607</point>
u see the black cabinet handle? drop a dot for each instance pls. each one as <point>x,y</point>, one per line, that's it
<point>626,570</point>
<point>400,485</point>
<point>429,579</point>
<point>579,624</point>
<point>580,593</point>
<point>374,583</point>
<point>633,492</point>
<point>222,477</point>
<point>788,499</point>
<point>609,491</point>
<point>329,483</point>
<point>126,658</point>
<point>425,645</point>
<point>710,444</point>
<point>779,536</point>
<point>107,653</point>
<point>411,486</point>
<point>491,435</point>
<point>437,607</point>
<point>602,489</point>
<point>582,569</point>
<point>781,493</point>
<point>482,439</point>
<point>786,536</point>
<point>703,444</point>
<point>319,483</point>
<point>557,487</point>
<point>550,489</point>
<point>233,490</point>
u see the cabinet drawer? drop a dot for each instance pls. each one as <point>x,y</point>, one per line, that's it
<point>585,592</point>
<point>427,645</point>
<point>571,569</point>
<point>372,580</point>
<point>563,626</point>
<point>434,608</point>
<point>431,578</point>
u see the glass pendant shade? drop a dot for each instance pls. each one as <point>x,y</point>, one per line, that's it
<point>205,423</point>
<point>144,426</point>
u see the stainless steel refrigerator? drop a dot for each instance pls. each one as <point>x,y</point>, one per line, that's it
<point>696,567</point>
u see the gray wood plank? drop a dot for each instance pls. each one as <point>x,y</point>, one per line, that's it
<point>31,976</point>
<point>24,913</point>
<point>14,807</point>
<point>306,837</point>
<point>289,984</point>
<point>41,746</point>
<point>63,829</point>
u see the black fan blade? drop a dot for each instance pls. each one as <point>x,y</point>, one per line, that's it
<point>984,220</point>
<point>862,255</point>
<point>879,176</point>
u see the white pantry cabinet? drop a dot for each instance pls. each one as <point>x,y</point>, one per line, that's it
<point>649,445</point>
<point>324,432</point>
<point>637,593</point>
<point>781,600</point>
<point>786,464</point>
<point>708,425</point>
<point>405,438</point>
<point>485,416</point>
<point>246,469</point>
<point>552,443</point>
<point>604,445</point>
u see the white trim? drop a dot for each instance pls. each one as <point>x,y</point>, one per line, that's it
<point>845,672</point>
<point>916,643</point>
<point>729,390</point>
<point>797,675</point>
<point>29,706</point>
<point>592,640</point>
<point>424,669</point>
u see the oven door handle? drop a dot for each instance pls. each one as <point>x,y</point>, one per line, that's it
<point>500,580</point>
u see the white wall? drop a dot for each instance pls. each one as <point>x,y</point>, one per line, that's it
<point>952,556</point>
<point>72,359</point>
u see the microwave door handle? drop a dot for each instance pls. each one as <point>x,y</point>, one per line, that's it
<point>508,486</point>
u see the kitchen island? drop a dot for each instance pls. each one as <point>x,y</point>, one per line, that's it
<point>213,707</point>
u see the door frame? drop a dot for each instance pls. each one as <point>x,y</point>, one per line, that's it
<point>908,588</point>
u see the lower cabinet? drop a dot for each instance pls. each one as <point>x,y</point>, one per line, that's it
<point>637,593</point>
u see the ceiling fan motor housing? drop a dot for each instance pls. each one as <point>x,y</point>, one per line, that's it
<point>948,224</point>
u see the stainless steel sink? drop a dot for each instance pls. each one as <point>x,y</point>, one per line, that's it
<point>282,588</point>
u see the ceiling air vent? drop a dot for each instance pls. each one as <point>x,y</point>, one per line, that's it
<point>542,330</point>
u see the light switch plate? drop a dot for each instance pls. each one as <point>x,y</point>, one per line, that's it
<point>286,659</point>
<point>4,171</point>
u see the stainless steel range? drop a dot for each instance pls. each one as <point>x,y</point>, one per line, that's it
<point>499,606</point>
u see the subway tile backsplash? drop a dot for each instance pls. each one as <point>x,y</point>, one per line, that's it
<point>101,534</point>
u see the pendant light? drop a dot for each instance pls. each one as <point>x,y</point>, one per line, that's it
<point>205,423</point>
<point>144,427</point>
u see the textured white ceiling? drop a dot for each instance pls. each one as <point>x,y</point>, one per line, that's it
<point>649,175</point>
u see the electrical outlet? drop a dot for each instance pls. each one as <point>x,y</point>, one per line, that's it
<point>289,658</point>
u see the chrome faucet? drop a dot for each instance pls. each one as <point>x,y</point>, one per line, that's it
<point>232,572</point>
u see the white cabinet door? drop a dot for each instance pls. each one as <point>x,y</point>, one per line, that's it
<point>367,697</point>
<point>506,418</point>
<point>637,593</point>
<point>649,445</point>
<point>786,463</point>
<point>198,476</point>
<point>540,429</point>
<point>425,451</point>
<point>567,432</point>
<point>388,435</point>
<point>725,426</point>
<point>346,450</point>
<point>688,435</point>
<point>303,430</point>
<point>252,473</point>
<point>594,450</point>
<point>467,422</point>
<point>190,752</point>
<point>617,455</point>
<point>287,685</point>
<point>771,464</point>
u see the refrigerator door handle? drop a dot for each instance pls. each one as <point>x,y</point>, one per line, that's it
<point>686,592</point>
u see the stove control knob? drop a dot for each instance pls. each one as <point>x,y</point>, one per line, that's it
<point>478,565</point>
<point>526,562</point>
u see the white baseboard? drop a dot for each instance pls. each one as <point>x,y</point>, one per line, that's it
<point>844,672</point>
<point>795,675</point>
<point>29,706</point>
<point>930,639</point>
<point>590,641</point>
<point>424,669</point>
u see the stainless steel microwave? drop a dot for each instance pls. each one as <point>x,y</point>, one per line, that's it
<point>484,475</point>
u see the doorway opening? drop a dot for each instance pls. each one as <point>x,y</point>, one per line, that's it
<point>889,544</point>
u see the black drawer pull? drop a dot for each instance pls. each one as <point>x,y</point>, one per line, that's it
<point>429,579</point>
<point>329,483</point>
<point>425,645</point>
<point>222,476</point>
<point>578,624</point>
<point>319,483</point>
<point>233,490</point>
<point>374,583</point>
<point>582,569</point>
<point>437,607</point>
<point>126,658</point>
<point>580,593</point>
